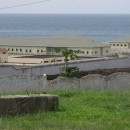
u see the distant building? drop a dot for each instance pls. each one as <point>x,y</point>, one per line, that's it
<point>120,46</point>
<point>3,55</point>
<point>45,46</point>
<point>120,43</point>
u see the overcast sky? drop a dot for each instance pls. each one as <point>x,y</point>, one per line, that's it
<point>69,6</point>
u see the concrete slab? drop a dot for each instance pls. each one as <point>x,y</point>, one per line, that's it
<point>26,104</point>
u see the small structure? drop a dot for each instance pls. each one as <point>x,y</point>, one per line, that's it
<point>28,103</point>
<point>3,55</point>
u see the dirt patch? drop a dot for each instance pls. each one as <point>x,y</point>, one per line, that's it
<point>105,72</point>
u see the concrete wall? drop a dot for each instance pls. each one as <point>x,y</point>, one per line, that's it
<point>34,60</point>
<point>117,81</point>
<point>17,83</point>
<point>53,68</point>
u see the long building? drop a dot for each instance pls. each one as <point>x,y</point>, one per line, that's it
<point>45,46</point>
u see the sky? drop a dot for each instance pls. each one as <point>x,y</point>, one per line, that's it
<point>68,6</point>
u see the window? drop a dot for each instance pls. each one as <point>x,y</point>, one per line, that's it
<point>4,52</point>
<point>117,44</point>
<point>125,45</point>
<point>45,61</point>
<point>87,52</point>
<point>16,49</point>
<point>95,52</point>
<point>37,51</point>
<point>41,51</point>
<point>30,51</point>
<point>12,49</point>
<point>26,50</point>
<point>92,52</point>
<point>121,45</point>
<point>113,44</point>
<point>21,50</point>
<point>8,49</point>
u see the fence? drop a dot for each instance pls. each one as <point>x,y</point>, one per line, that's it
<point>18,83</point>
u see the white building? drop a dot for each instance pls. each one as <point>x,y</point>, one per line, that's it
<point>120,46</point>
<point>44,46</point>
<point>120,43</point>
<point>3,55</point>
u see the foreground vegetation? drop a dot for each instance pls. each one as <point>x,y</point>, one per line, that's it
<point>81,110</point>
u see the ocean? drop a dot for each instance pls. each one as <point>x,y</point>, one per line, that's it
<point>99,27</point>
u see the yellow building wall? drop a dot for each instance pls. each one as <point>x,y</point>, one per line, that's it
<point>26,50</point>
<point>106,51</point>
<point>96,52</point>
<point>118,45</point>
<point>128,45</point>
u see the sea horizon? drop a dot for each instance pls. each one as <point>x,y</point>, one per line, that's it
<point>100,27</point>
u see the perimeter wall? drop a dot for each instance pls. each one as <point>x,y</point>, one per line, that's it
<point>53,68</point>
<point>17,83</point>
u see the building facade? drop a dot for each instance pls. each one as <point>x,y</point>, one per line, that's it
<point>45,46</point>
<point>120,43</point>
<point>120,46</point>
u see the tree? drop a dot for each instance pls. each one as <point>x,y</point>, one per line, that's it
<point>68,54</point>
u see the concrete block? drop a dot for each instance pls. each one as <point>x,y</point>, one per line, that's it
<point>26,104</point>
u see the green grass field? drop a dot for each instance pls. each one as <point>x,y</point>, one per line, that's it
<point>78,110</point>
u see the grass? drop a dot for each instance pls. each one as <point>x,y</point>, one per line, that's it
<point>78,110</point>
